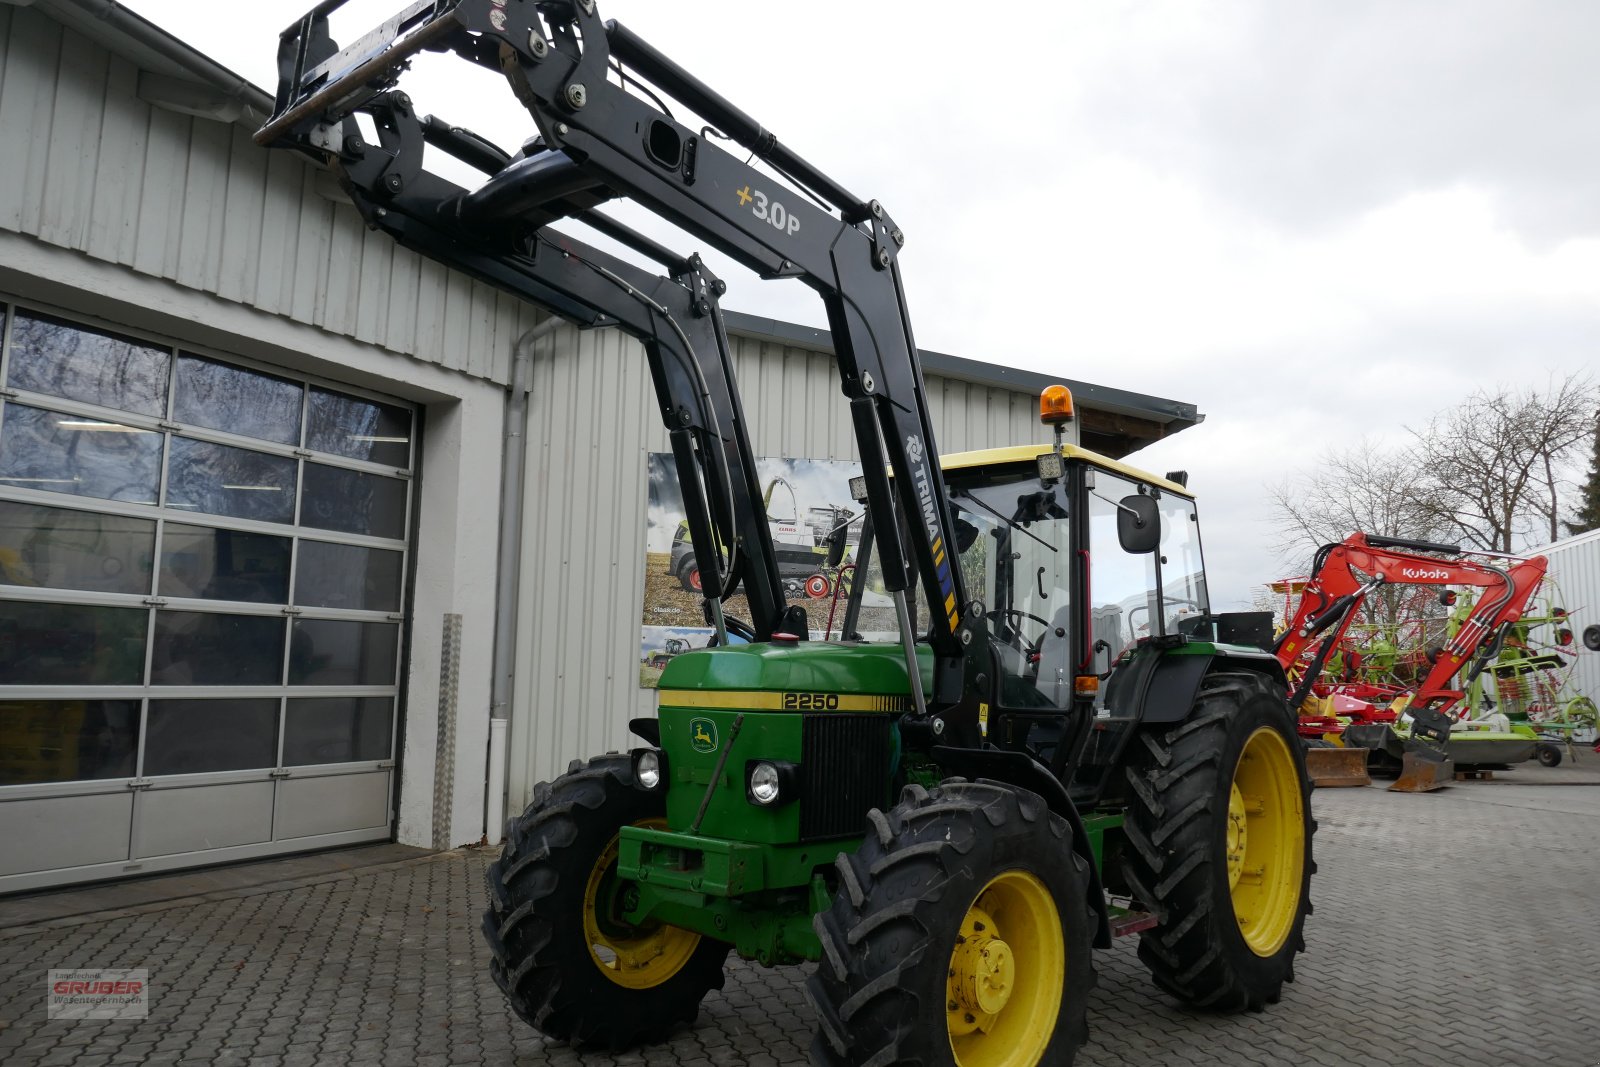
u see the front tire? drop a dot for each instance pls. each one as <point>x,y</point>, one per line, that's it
<point>1219,845</point>
<point>960,936</point>
<point>570,966</point>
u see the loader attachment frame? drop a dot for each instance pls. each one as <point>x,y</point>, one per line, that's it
<point>597,140</point>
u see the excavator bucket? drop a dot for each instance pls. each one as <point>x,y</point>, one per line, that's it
<point>1422,773</point>
<point>1425,764</point>
<point>1337,766</point>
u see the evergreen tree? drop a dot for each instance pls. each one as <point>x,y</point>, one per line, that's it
<point>1589,503</point>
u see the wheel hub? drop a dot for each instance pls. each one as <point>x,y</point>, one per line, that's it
<point>1237,835</point>
<point>1265,841</point>
<point>1007,975</point>
<point>983,970</point>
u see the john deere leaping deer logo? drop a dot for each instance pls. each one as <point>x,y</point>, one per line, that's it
<point>703,735</point>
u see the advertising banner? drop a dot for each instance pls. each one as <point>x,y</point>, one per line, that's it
<point>806,499</point>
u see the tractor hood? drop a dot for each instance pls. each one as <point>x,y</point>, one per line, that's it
<point>796,667</point>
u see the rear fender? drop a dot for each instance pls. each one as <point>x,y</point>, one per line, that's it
<point>1024,772</point>
<point>1161,685</point>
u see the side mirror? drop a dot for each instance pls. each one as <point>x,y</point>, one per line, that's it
<point>836,545</point>
<point>1138,523</point>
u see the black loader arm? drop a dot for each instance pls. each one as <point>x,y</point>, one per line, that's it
<point>597,140</point>
<point>678,319</point>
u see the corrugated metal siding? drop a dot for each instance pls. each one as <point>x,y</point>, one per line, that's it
<point>591,421</point>
<point>1575,565</point>
<point>90,167</point>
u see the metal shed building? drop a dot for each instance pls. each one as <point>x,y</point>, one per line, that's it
<point>250,465</point>
<point>1575,567</point>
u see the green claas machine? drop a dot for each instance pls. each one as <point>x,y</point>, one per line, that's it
<point>1031,733</point>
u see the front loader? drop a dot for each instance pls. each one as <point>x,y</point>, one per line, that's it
<point>1033,734</point>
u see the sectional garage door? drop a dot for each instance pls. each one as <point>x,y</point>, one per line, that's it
<point>202,580</point>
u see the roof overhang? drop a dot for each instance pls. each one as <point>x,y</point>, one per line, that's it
<point>1112,422</point>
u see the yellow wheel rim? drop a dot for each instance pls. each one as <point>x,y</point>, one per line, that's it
<point>1007,973</point>
<point>1265,840</point>
<point>632,957</point>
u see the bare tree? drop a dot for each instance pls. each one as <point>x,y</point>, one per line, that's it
<point>1499,463</point>
<point>1365,487</point>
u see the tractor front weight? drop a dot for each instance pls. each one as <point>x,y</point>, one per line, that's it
<point>759,898</point>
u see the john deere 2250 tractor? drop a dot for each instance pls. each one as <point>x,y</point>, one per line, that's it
<point>1032,734</point>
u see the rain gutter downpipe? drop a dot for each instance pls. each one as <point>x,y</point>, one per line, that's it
<point>513,467</point>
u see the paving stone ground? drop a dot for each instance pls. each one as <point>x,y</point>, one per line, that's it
<point>1461,927</point>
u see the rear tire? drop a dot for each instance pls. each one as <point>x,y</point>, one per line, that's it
<point>568,964</point>
<point>962,896</point>
<point>1219,845</point>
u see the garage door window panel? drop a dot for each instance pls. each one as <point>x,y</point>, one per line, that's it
<point>337,730</point>
<point>210,563</point>
<point>358,428</point>
<point>91,366</point>
<point>220,396</point>
<point>352,501</point>
<point>223,480</point>
<point>203,736</point>
<point>330,575</point>
<point>337,652</point>
<point>64,548</point>
<point>71,644</point>
<point>58,452</point>
<point>67,740</point>
<point>201,569</point>
<point>206,648</point>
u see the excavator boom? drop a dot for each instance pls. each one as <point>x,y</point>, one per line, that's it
<point>1343,575</point>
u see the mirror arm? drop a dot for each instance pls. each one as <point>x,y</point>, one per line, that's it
<point>1138,519</point>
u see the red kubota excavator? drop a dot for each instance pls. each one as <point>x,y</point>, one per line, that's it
<point>1343,575</point>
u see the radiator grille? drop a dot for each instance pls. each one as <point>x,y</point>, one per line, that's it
<point>844,773</point>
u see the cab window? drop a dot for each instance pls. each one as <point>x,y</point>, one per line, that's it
<point>1124,605</point>
<point>1183,572</point>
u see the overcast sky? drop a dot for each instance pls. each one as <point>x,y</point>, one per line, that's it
<point>1316,221</point>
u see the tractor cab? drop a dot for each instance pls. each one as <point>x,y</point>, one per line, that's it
<point>1072,561</point>
<point>1070,558</point>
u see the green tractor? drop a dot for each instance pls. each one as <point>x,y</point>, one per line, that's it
<point>791,807</point>
<point>1032,734</point>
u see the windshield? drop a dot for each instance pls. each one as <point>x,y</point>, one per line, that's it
<point>1017,558</point>
<point>1013,547</point>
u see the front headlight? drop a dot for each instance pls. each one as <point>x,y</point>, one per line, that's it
<point>647,769</point>
<point>765,783</point>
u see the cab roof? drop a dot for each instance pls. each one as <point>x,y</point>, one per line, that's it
<point>986,457</point>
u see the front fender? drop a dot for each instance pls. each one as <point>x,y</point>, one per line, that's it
<point>1024,772</point>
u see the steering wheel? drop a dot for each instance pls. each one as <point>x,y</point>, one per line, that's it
<point>1032,646</point>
